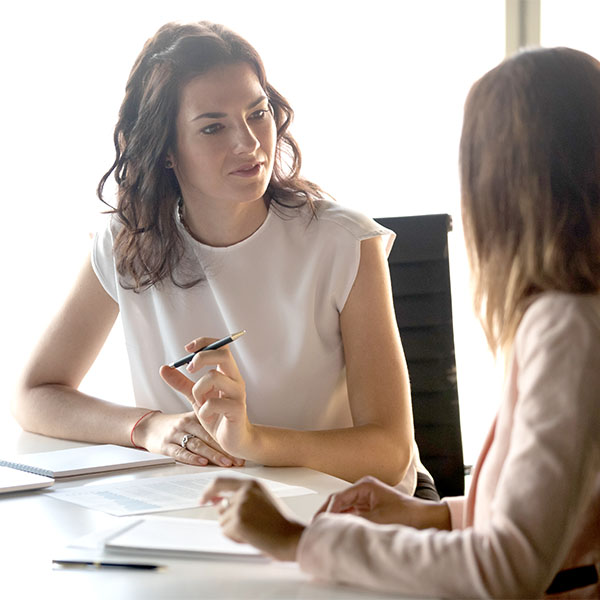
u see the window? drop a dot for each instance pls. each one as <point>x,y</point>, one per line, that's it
<point>573,24</point>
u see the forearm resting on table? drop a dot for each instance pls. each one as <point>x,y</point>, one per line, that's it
<point>60,411</point>
<point>349,453</point>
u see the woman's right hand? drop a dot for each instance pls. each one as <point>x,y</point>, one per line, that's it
<point>374,500</point>
<point>218,397</point>
<point>163,433</point>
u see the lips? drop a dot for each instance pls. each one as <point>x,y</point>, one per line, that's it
<point>248,169</point>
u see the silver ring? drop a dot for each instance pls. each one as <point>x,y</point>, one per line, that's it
<point>186,438</point>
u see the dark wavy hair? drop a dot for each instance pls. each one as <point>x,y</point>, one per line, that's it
<point>148,247</point>
<point>530,178</point>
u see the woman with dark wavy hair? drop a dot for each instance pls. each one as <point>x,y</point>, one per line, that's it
<point>530,524</point>
<point>215,231</point>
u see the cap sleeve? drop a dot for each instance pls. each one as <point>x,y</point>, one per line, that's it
<point>103,261</point>
<point>346,229</point>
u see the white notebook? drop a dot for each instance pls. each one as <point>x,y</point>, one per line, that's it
<point>185,538</point>
<point>85,460</point>
<point>12,480</point>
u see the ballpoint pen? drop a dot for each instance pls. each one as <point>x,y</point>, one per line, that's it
<point>101,563</point>
<point>218,344</point>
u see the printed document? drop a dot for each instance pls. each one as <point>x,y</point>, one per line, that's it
<point>158,494</point>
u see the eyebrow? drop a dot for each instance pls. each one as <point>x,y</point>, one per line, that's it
<point>222,115</point>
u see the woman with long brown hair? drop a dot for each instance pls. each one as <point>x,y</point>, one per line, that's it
<point>215,231</point>
<point>530,524</point>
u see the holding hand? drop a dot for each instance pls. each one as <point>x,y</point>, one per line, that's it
<point>218,397</point>
<point>250,513</point>
<point>164,434</point>
<point>375,501</point>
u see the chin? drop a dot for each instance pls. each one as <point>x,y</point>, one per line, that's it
<point>252,196</point>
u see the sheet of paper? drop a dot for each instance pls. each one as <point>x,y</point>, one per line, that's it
<point>95,540</point>
<point>178,537</point>
<point>157,494</point>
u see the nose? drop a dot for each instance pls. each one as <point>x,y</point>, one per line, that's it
<point>245,141</point>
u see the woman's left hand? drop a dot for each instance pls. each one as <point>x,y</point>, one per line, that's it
<point>250,513</point>
<point>375,501</point>
<point>218,397</point>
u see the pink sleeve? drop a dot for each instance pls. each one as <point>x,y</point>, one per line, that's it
<point>545,490</point>
<point>456,506</point>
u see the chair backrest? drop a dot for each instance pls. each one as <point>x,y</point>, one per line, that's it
<point>423,305</point>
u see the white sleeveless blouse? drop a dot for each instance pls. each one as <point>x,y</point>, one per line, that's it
<point>286,285</point>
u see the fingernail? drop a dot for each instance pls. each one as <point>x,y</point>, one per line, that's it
<point>226,462</point>
<point>202,461</point>
<point>189,346</point>
<point>190,367</point>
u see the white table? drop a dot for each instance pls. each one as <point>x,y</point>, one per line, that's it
<point>35,528</point>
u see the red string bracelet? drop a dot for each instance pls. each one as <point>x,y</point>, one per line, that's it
<point>136,424</point>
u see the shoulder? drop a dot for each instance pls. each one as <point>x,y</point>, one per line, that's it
<point>561,329</point>
<point>106,231</point>
<point>107,227</point>
<point>102,256</point>
<point>104,238</point>
<point>345,225</point>
<point>564,313</point>
<point>357,224</point>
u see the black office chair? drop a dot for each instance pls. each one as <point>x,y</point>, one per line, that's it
<point>422,302</point>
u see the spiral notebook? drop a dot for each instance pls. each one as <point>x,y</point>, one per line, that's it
<point>12,480</point>
<point>84,460</point>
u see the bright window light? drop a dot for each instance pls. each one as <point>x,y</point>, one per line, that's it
<point>573,24</point>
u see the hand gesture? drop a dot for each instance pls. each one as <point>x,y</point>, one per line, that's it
<point>163,434</point>
<point>375,501</point>
<point>218,397</point>
<point>250,513</point>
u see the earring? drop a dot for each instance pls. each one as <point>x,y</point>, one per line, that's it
<point>168,163</point>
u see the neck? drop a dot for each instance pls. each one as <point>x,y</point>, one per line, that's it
<point>223,226</point>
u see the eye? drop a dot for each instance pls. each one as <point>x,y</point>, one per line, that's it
<point>212,128</point>
<point>259,114</point>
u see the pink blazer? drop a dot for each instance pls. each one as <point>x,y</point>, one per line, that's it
<point>533,507</point>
